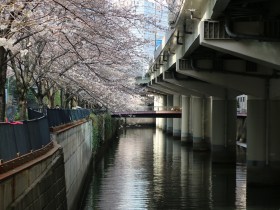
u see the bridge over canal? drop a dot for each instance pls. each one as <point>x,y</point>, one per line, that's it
<point>151,112</point>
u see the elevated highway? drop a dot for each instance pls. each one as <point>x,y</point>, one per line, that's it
<point>215,51</point>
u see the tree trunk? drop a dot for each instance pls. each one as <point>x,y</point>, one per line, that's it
<point>67,100</point>
<point>51,99</point>
<point>62,98</point>
<point>3,76</point>
<point>22,107</point>
<point>40,98</point>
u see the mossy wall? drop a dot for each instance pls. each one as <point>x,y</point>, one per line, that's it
<point>104,129</point>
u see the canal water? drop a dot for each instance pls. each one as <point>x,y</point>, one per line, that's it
<point>146,169</point>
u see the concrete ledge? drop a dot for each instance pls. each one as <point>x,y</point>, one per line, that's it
<point>64,127</point>
<point>28,186</point>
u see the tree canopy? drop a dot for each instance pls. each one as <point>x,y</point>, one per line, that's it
<point>88,48</point>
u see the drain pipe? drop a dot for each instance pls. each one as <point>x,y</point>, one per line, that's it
<point>245,36</point>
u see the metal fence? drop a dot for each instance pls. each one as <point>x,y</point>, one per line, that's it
<point>17,139</point>
<point>35,113</point>
<point>22,138</point>
<point>62,116</point>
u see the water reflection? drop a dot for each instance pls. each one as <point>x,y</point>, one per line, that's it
<point>241,188</point>
<point>146,169</point>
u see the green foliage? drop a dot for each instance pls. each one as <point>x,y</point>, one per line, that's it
<point>17,117</point>
<point>110,126</point>
<point>57,99</point>
<point>97,122</point>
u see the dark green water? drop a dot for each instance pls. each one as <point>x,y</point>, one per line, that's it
<point>145,169</point>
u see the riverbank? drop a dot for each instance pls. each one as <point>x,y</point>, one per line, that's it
<point>55,179</point>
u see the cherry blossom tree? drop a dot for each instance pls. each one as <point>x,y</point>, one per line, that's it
<point>13,21</point>
<point>88,47</point>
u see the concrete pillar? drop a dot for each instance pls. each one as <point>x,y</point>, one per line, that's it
<point>230,129</point>
<point>156,104</point>
<point>199,142</point>
<point>164,120</point>
<point>185,121</point>
<point>207,119</point>
<point>223,132</point>
<point>176,121</point>
<point>169,122</point>
<point>160,108</point>
<point>274,133</point>
<point>263,156</point>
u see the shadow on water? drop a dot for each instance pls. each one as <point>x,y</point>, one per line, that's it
<point>146,169</point>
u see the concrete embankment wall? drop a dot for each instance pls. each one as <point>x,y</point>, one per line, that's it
<point>76,142</point>
<point>55,179</point>
<point>37,184</point>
